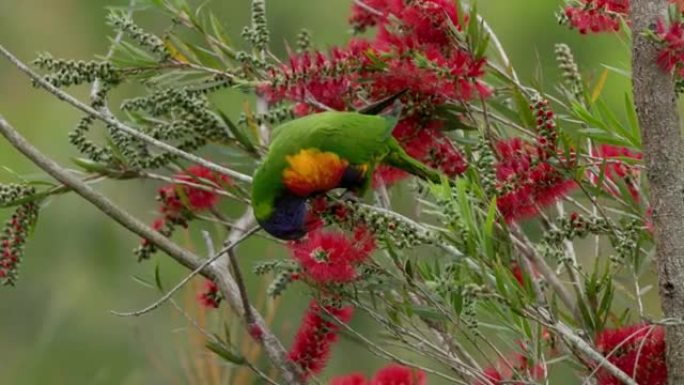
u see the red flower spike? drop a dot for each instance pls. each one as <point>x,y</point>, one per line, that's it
<point>399,375</point>
<point>317,333</point>
<point>197,199</point>
<point>671,55</point>
<point>350,379</point>
<point>525,181</point>
<point>597,16</point>
<point>12,238</point>
<point>640,347</point>
<point>331,257</point>
<point>412,50</point>
<point>616,169</point>
<point>210,297</point>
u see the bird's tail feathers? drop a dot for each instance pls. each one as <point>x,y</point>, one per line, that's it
<point>400,159</point>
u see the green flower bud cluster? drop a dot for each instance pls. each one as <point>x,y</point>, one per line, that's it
<point>303,40</point>
<point>286,272</point>
<point>568,228</point>
<point>569,69</point>
<point>623,238</point>
<point>10,193</point>
<point>191,123</point>
<point>625,242</point>
<point>401,233</point>
<point>66,73</point>
<point>484,164</point>
<point>257,34</point>
<point>78,138</point>
<point>124,23</point>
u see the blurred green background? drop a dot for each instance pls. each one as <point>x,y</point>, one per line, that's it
<point>55,325</point>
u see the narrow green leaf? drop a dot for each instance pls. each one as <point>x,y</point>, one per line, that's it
<point>222,351</point>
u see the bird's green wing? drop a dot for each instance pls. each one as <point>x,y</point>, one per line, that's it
<point>356,138</point>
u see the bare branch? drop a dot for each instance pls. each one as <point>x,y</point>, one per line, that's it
<point>228,249</point>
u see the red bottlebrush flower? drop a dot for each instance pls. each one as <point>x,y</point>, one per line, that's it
<point>172,196</point>
<point>616,169</point>
<point>399,375</point>
<point>518,366</point>
<point>210,297</point>
<point>350,379</point>
<point>671,55</point>
<point>601,15</point>
<point>331,257</point>
<point>12,240</point>
<point>412,50</point>
<point>525,182</point>
<point>180,200</point>
<point>637,350</point>
<point>311,347</point>
<point>597,15</point>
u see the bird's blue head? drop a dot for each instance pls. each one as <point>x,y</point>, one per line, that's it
<point>287,219</point>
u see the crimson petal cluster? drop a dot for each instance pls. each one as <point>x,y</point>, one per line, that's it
<point>392,374</point>
<point>412,49</point>
<point>638,350</point>
<point>328,257</point>
<point>195,191</point>
<point>316,334</point>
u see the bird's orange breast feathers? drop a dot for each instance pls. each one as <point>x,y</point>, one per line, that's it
<point>311,171</point>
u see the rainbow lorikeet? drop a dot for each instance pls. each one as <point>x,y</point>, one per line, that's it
<point>317,153</point>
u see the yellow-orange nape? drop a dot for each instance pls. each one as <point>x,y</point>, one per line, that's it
<point>311,171</point>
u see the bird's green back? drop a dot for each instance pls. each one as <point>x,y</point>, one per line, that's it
<point>357,138</point>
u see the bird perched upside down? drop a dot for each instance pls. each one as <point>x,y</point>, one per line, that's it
<point>312,155</point>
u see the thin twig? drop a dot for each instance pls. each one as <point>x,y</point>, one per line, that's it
<point>170,293</point>
<point>577,342</point>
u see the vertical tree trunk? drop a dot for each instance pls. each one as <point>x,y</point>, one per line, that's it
<point>656,104</point>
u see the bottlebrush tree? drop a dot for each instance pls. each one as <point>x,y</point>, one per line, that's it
<point>527,267</point>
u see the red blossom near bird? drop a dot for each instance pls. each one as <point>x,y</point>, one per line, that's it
<point>210,297</point>
<point>350,379</point>
<point>616,169</point>
<point>413,51</point>
<point>506,371</point>
<point>395,374</point>
<point>525,182</point>
<point>331,257</point>
<point>638,350</point>
<point>316,335</point>
<point>172,195</point>
<point>425,142</point>
<point>180,200</point>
